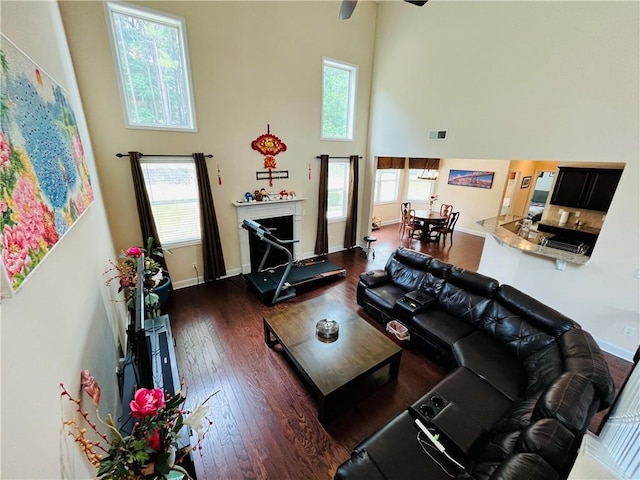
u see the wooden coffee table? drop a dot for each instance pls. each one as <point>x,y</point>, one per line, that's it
<point>338,371</point>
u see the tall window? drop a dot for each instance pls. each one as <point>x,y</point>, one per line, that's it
<point>387,182</point>
<point>338,99</point>
<point>153,68</point>
<point>418,190</point>
<point>338,189</point>
<point>172,187</point>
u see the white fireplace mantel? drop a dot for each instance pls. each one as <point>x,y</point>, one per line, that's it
<point>270,209</point>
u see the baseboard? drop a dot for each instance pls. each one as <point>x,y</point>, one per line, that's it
<point>615,350</point>
<point>190,282</point>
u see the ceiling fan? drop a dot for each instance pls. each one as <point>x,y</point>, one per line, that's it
<point>348,6</point>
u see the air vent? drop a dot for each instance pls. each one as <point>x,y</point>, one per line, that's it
<point>438,135</point>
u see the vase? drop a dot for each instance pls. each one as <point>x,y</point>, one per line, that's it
<point>162,291</point>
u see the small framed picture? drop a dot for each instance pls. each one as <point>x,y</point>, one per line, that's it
<point>526,181</point>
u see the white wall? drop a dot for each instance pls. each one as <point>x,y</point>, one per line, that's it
<point>58,323</point>
<point>253,64</point>
<point>525,80</point>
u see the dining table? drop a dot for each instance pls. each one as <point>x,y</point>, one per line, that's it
<point>429,219</point>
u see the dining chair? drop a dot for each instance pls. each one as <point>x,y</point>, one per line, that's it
<point>445,210</point>
<point>414,227</point>
<point>405,208</point>
<point>445,229</point>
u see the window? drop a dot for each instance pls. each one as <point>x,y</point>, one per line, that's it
<point>153,68</point>
<point>338,189</point>
<point>172,187</point>
<point>419,190</point>
<point>386,189</point>
<point>338,99</point>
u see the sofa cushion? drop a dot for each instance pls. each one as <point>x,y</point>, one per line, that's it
<point>432,284</point>
<point>513,331</point>
<point>519,415</point>
<point>543,367</point>
<point>492,362</point>
<point>390,448</point>
<point>582,355</point>
<point>440,326</point>
<point>525,466</point>
<point>413,258</point>
<point>549,439</point>
<point>384,296</point>
<point>359,466</point>
<point>462,304</point>
<point>497,447</point>
<point>404,276</point>
<point>473,282</point>
<point>568,400</point>
<point>544,317</point>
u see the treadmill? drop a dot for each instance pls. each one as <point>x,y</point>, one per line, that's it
<point>276,284</point>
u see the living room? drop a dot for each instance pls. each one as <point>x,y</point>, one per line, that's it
<point>508,80</point>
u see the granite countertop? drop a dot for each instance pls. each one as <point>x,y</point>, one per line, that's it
<point>504,236</point>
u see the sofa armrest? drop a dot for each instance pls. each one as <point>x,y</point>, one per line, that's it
<point>373,278</point>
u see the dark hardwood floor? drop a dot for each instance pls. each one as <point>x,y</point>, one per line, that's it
<point>264,418</point>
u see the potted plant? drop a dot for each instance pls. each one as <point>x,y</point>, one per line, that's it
<point>156,282</point>
<point>151,449</point>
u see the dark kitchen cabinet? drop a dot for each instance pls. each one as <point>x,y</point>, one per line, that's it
<point>588,188</point>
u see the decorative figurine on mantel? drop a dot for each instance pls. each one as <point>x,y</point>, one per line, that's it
<point>269,145</point>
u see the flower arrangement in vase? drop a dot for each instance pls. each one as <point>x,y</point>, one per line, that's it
<point>432,199</point>
<point>125,270</point>
<point>150,451</point>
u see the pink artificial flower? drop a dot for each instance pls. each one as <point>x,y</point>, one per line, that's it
<point>153,440</point>
<point>90,386</point>
<point>146,402</point>
<point>134,251</point>
<point>29,211</point>
<point>76,148</point>
<point>5,151</point>
<point>3,206</point>
<point>15,252</point>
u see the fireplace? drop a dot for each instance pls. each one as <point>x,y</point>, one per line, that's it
<point>259,211</point>
<point>281,227</point>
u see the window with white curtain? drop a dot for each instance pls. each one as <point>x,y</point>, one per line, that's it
<point>338,189</point>
<point>172,186</point>
<point>387,185</point>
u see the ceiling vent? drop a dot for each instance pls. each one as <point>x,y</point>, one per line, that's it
<point>438,135</point>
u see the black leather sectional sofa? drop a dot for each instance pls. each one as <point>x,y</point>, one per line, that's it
<point>525,380</point>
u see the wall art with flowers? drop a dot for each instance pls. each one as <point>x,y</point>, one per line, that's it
<point>44,179</point>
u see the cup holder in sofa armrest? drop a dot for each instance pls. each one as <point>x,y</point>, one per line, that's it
<point>432,405</point>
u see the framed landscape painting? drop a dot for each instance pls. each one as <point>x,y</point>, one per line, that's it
<point>44,179</point>
<point>471,178</point>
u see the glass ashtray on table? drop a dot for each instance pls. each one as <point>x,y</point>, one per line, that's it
<point>327,329</point>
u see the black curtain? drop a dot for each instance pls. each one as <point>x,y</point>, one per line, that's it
<point>211,246</point>
<point>145,215</point>
<point>350,232</point>
<point>322,236</point>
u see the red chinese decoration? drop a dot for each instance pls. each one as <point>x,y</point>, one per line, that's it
<point>269,145</point>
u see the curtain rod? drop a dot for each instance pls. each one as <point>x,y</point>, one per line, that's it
<point>320,156</point>
<point>120,155</point>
